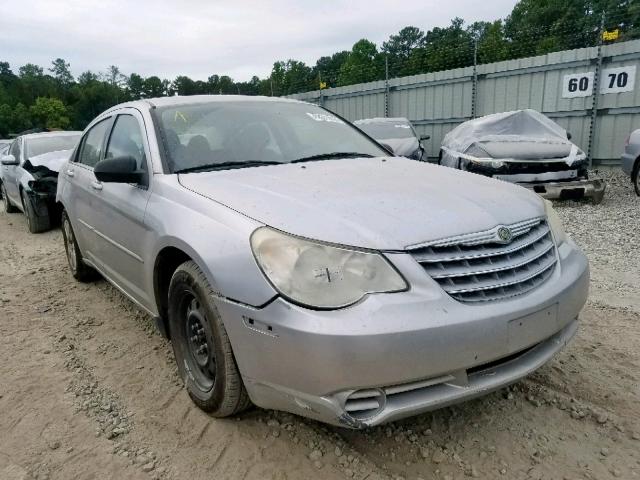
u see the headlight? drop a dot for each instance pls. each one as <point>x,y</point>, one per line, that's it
<point>555,224</point>
<point>477,155</point>
<point>320,275</point>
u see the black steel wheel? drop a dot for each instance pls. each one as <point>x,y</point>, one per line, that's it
<point>201,345</point>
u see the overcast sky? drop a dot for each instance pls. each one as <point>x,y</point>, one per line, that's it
<point>201,37</point>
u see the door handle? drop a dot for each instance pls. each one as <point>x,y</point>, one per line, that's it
<point>96,185</point>
<point>70,173</point>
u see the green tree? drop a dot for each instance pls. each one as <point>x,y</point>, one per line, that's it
<point>50,113</point>
<point>364,64</point>
<point>6,116</point>
<point>327,68</point>
<point>135,86</point>
<point>20,119</point>
<point>61,71</point>
<point>399,48</point>
<point>154,87</point>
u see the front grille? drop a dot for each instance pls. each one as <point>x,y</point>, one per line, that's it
<point>478,268</point>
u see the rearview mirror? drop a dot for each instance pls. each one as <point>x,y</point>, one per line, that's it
<point>118,170</point>
<point>9,160</point>
<point>425,137</point>
<point>569,135</point>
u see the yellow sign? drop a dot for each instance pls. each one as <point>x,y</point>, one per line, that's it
<point>612,35</point>
<point>323,85</point>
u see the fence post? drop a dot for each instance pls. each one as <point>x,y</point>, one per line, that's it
<point>474,87</point>
<point>595,95</point>
<point>386,86</point>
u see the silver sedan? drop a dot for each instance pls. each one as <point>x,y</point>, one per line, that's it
<point>298,267</point>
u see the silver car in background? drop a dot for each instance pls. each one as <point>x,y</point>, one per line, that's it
<point>398,134</point>
<point>631,159</point>
<point>29,173</point>
<point>296,266</point>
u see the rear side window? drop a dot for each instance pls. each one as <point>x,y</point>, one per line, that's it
<point>126,140</point>
<point>92,144</point>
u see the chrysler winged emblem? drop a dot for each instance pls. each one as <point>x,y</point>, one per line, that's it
<point>504,234</point>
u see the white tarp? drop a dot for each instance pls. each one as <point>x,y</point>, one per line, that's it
<point>521,126</point>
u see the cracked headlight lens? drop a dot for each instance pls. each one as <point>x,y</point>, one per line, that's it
<point>320,275</point>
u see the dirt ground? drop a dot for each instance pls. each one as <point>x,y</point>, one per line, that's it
<point>88,389</point>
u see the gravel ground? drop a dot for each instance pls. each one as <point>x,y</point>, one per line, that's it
<point>90,391</point>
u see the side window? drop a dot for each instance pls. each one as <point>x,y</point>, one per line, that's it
<point>126,140</point>
<point>91,150</point>
<point>15,149</point>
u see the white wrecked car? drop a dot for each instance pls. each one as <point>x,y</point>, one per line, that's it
<point>523,147</point>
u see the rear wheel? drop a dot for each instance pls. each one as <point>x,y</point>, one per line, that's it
<point>201,345</point>
<point>8,206</point>
<point>35,222</point>
<point>80,270</point>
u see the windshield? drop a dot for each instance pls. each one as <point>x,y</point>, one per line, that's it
<point>224,134</point>
<point>384,130</point>
<point>51,143</point>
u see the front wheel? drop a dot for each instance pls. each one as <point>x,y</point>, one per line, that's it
<point>636,177</point>
<point>201,345</point>
<point>36,223</point>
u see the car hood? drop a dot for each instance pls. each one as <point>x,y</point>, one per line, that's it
<point>51,160</point>
<point>380,203</point>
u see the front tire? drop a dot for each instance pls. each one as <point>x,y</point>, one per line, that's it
<point>8,206</point>
<point>201,345</point>
<point>635,177</point>
<point>35,222</point>
<point>80,270</point>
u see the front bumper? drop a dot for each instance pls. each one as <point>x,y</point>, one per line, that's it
<point>593,189</point>
<point>420,349</point>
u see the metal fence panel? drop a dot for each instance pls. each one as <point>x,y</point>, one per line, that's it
<point>437,102</point>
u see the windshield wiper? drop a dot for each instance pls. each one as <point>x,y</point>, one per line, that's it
<point>226,165</point>
<point>329,156</point>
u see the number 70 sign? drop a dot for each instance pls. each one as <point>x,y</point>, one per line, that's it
<point>613,80</point>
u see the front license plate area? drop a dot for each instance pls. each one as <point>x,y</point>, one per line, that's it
<point>526,331</point>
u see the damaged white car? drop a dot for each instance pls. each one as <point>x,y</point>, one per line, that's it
<point>29,176</point>
<point>523,147</point>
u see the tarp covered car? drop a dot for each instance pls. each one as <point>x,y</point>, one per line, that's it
<point>396,133</point>
<point>523,147</point>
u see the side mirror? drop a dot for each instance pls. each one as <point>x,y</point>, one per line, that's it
<point>9,160</point>
<point>425,137</point>
<point>118,170</point>
<point>569,135</point>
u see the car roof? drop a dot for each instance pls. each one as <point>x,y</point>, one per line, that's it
<point>179,100</point>
<point>61,133</point>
